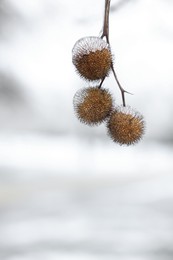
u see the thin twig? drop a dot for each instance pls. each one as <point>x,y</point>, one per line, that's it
<point>105,33</point>
<point>101,82</point>
<point>123,91</point>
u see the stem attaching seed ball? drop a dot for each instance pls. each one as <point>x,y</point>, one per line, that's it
<point>92,105</point>
<point>125,126</point>
<point>92,58</point>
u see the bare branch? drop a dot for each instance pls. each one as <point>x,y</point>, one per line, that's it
<point>105,33</point>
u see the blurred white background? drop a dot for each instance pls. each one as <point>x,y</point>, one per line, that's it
<point>66,190</point>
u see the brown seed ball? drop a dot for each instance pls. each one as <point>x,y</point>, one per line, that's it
<point>125,126</point>
<point>92,105</point>
<point>92,58</point>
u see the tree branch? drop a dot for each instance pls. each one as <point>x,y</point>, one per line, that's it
<point>105,33</point>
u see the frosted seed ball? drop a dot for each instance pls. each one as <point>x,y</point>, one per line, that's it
<point>125,126</point>
<point>92,105</point>
<point>92,58</point>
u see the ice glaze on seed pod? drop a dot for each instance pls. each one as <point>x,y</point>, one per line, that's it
<point>92,105</point>
<point>92,58</point>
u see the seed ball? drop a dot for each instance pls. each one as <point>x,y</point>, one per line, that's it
<point>92,58</point>
<point>92,105</point>
<point>125,126</point>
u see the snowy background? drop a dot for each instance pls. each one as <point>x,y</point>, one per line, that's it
<point>66,191</point>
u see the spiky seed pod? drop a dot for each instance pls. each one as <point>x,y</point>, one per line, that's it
<point>92,58</point>
<point>92,105</point>
<point>125,126</point>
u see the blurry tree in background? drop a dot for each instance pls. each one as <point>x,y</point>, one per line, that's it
<point>9,20</point>
<point>33,55</point>
<point>66,191</point>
